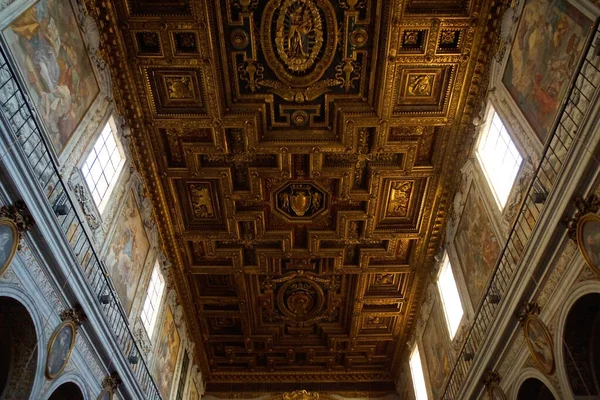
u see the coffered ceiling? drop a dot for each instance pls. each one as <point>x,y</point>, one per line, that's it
<point>300,155</point>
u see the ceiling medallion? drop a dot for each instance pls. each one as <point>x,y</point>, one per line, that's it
<point>298,38</point>
<point>301,299</point>
<point>300,200</point>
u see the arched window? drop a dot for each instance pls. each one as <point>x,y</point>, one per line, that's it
<point>581,347</point>
<point>18,350</point>
<point>534,389</point>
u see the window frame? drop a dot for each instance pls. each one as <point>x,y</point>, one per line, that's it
<point>109,121</point>
<point>484,132</point>
<point>155,307</point>
<point>422,390</point>
<point>452,326</point>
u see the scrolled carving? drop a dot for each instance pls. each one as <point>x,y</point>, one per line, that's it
<point>583,206</point>
<point>528,309</point>
<point>300,395</point>
<point>81,194</point>
<point>112,381</point>
<point>19,215</point>
<point>75,314</point>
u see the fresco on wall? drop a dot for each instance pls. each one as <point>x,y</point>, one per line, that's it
<point>127,252</point>
<point>476,245</point>
<point>545,52</point>
<point>166,355</point>
<point>435,351</point>
<point>49,51</point>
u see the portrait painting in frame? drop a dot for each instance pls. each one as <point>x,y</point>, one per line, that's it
<point>60,347</point>
<point>106,394</point>
<point>127,251</point>
<point>539,342</point>
<point>476,245</point>
<point>546,50</point>
<point>588,240</point>
<point>9,241</point>
<point>49,51</point>
<point>495,392</point>
<point>435,349</point>
<point>166,354</point>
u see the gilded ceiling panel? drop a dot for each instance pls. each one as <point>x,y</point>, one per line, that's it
<point>301,154</point>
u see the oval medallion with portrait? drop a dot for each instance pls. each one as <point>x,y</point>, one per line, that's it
<point>60,347</point>
<point>9,241</point>
<point>539,343</point>
<point>588,240</point>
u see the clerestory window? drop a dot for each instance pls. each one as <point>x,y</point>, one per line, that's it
<point>103,165</point>
<point>453,309</point>
<point>416,372</point>
<point>499,158</point>
<point>152,302</point>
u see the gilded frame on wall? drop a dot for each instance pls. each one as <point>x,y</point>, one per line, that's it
<point>106,394</point>
<point>7,253</point>
<point>589,241</point>
<point>51,355</point>
<point>539,342</point>
<point>495,392</point>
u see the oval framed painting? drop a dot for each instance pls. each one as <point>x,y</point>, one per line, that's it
<point>495,392</point>
<point>60,347</point>
<point>9,241</point>
<point>106,394</point>
<point>539,342</point>
<point>588,240</point>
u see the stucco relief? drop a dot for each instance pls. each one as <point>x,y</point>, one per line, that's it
<point>556,276</point>
<point>425,310</point>
<point>85,351</point>
<point>40,277</point>
<point>9,276</point>
<point>196,378</point>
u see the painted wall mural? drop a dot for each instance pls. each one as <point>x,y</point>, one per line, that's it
<point>127,252</point>
<point>166,355</point>
<point>545,52</point>
<point>436,351</point>
<point>51,55</point>
<point>476,245</point>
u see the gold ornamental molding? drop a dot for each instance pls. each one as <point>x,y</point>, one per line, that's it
<point>300,155</point>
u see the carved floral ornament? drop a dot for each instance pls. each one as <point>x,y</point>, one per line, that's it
<point>300,395</point>
<point>491,379</point>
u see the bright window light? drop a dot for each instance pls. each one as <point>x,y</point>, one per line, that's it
<point>416,371</point>
<point>450,299</point>
<point>152,302</point>
<point>103,165</point>
<point>499,158</point>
